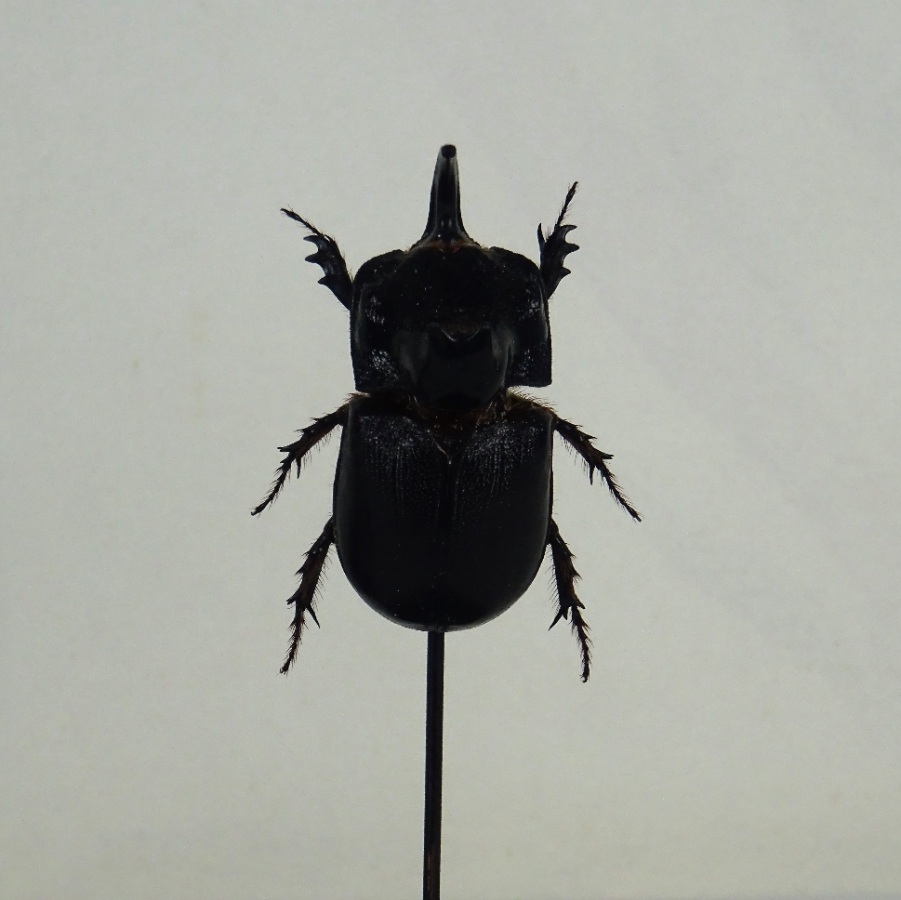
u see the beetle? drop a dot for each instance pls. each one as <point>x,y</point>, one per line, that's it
<point>443,490</point>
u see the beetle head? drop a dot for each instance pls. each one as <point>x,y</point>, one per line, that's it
<point>449,320</point>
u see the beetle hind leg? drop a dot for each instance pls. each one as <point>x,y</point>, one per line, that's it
<point>304,597</point>
<point>569,606</point>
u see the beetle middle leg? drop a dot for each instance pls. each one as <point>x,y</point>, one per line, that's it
<point>595,459</point>
<point>302,599</point>
<point>294,453</point>
<point>569,606</point>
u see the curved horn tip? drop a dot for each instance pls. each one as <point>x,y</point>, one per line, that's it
<point>445,222</point>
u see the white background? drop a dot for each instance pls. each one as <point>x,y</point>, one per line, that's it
<point>730,331</point>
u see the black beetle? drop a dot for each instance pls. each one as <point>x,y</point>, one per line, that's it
<point>443,491</point>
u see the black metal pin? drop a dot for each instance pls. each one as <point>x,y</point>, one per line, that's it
<point>434,755</point>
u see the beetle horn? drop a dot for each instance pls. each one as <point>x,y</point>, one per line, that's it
<point>445,223</point>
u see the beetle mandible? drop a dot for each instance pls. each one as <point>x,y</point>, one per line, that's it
<point>443,491</point>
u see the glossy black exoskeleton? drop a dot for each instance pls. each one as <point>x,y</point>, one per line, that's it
<point>443,492</point>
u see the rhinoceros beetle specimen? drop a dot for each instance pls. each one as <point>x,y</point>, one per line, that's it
<point>443,491</point>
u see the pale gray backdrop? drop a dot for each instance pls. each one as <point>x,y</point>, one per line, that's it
<point>730,331</point>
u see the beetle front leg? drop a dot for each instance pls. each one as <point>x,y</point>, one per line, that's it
<point>309,437</point>
<point>302,599</point>
<point>569,606</point>
<point>596,459</point>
